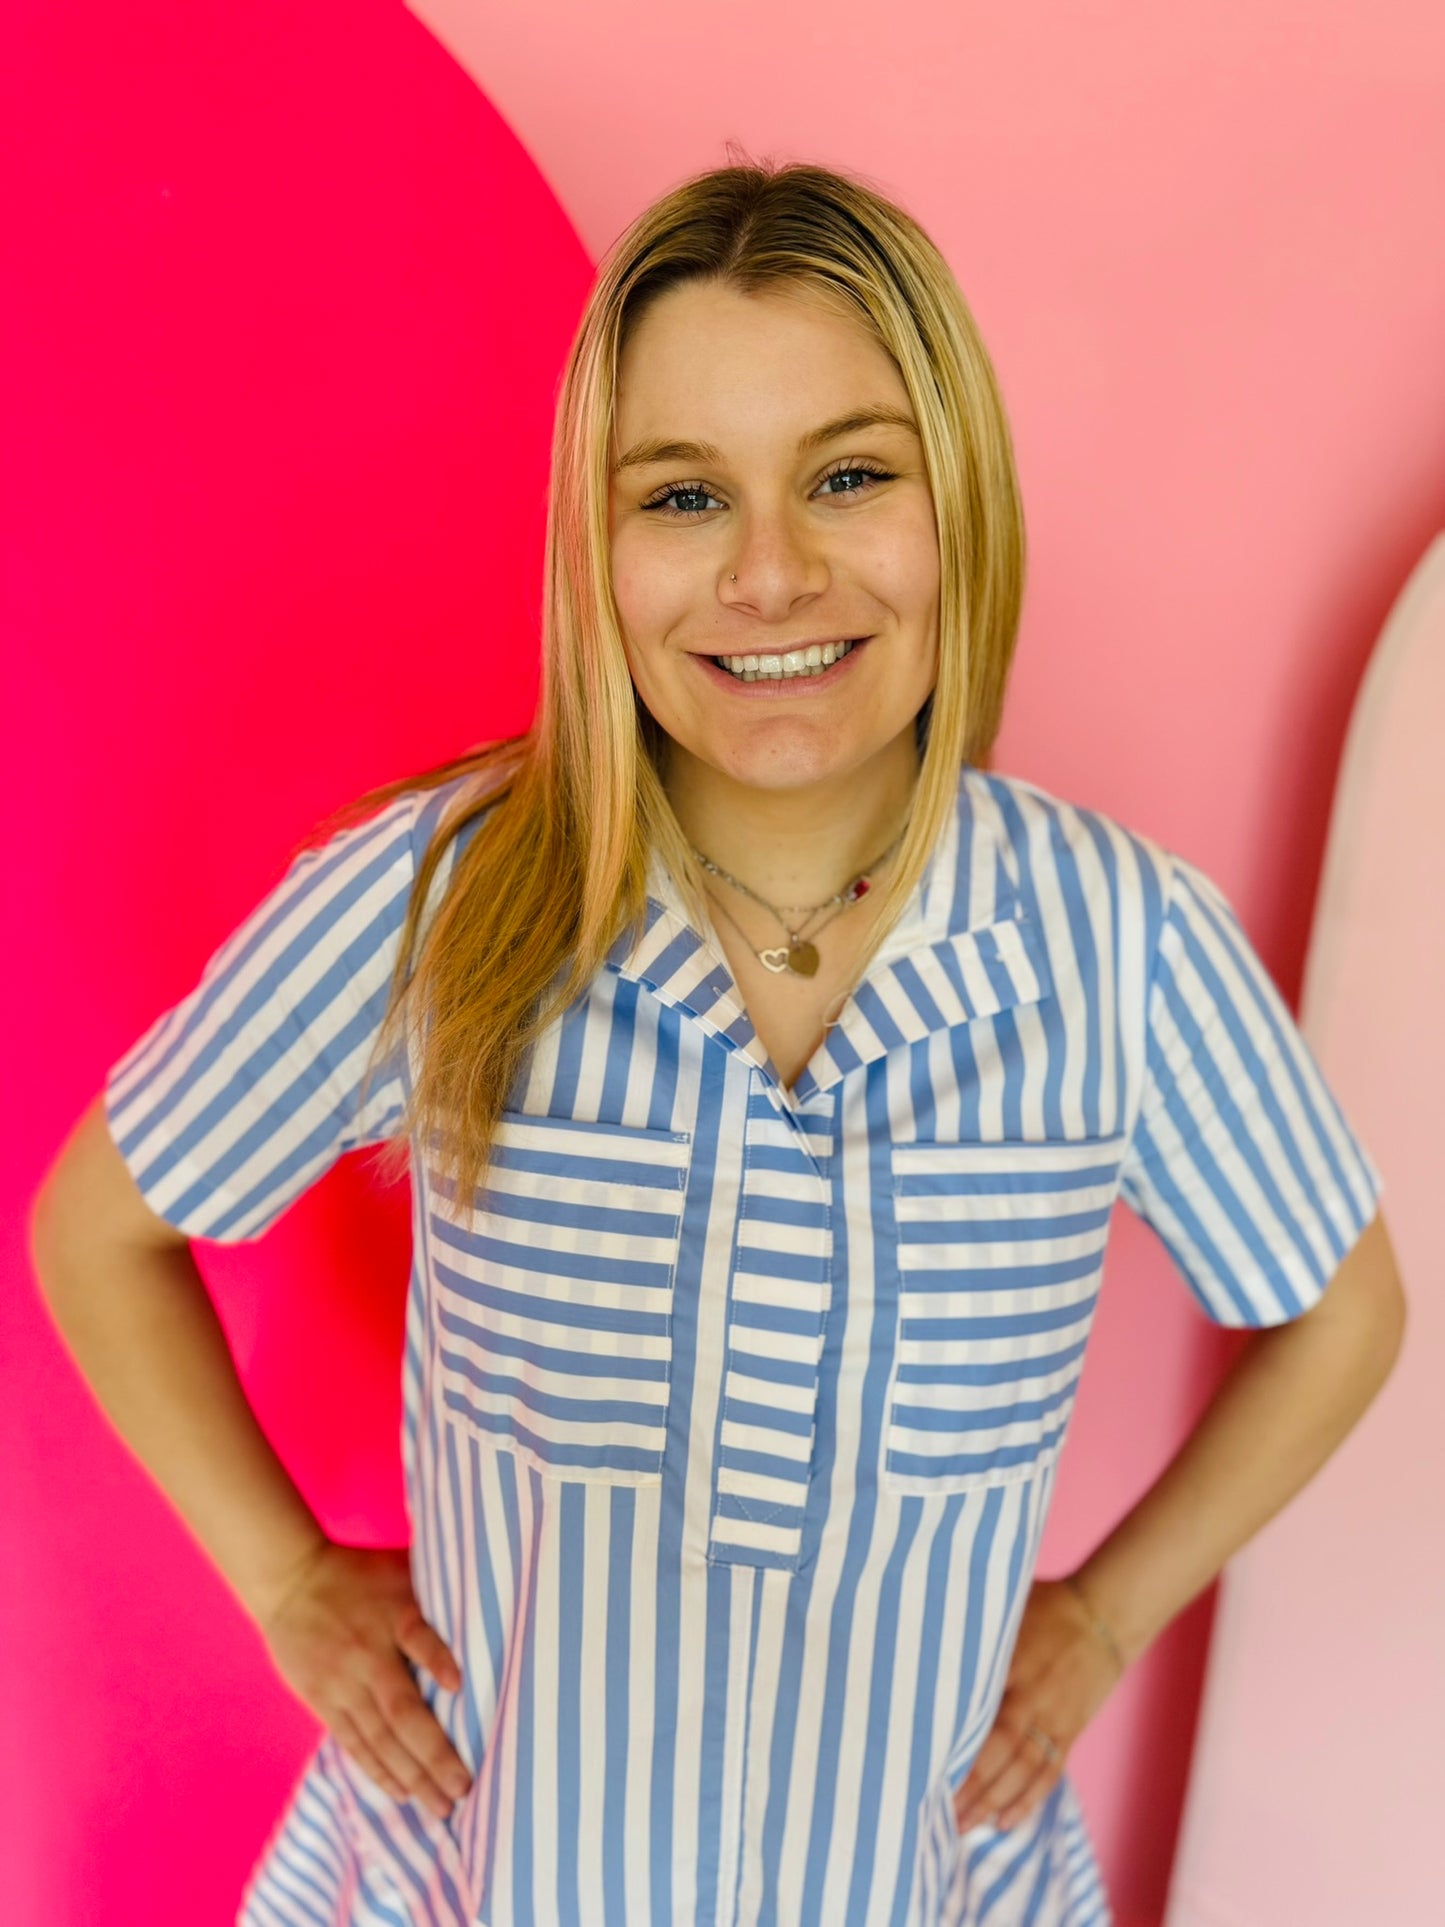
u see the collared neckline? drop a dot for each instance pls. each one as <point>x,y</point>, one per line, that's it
<point>964,947</point>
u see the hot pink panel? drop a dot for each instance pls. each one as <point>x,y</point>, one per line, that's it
<point>287,306</point>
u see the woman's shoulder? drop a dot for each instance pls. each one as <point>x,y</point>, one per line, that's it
<point>1028,816</point>
<point>440,805</point>
<point>361,866</point>
<point>412,816</point>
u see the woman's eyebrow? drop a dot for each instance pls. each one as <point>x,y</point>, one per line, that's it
<point>653,450</point>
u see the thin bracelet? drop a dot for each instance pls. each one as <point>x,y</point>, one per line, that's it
<point>1098,1624</point>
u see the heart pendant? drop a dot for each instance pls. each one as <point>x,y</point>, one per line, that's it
<point>774,959</point>
<point>803,959</point>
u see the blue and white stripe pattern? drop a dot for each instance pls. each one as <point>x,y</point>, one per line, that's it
<point>733,1412</point>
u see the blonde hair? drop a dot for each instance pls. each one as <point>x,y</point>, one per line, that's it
<point>573,808</point>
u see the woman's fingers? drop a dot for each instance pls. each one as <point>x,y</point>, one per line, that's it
<point>425,1647</point>
<point>1011,1794</point>
<point>348,1734</point>
<point>1012,1772</point>
<point>398,1759</point>
<point>416,1728</point>
<point>976,1793</point>
<point>1033,1794</point>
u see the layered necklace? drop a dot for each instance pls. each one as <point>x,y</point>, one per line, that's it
<point>800,954</point>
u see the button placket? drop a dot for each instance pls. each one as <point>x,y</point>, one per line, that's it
<point>778,1295</point>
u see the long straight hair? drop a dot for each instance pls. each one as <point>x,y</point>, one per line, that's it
<point>573,808</point>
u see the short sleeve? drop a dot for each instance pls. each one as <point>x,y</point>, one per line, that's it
<point>1241,1159</point>
<point>245,1093</point>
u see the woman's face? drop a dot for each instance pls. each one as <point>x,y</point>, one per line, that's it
<point>831,536</point>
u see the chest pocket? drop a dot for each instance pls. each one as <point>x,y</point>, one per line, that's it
<point>554,1296</point>
<point>1000,1257</point>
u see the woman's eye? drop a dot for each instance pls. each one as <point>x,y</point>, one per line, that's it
<point>682,488</point>
<point>874,474</point>
<point>699,489</point>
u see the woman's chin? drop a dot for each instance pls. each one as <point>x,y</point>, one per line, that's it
<point>775,758</point>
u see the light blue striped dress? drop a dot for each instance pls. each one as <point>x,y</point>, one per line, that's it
<point>733,1413</point>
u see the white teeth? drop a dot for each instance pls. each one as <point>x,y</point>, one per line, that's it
<point>796,663</point>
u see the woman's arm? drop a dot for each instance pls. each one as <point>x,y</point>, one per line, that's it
<point>1287,1401</point>
<point>125,1293</point>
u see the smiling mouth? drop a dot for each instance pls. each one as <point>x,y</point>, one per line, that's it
<point>795,665</point>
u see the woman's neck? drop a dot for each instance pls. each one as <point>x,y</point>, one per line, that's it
<point>795,846</point>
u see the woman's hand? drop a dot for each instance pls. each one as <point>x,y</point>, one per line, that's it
<point>1060,1675</point>
<point>340,1632</point>
<point>1292,1394</point>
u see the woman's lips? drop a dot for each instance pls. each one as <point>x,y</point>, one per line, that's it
<point>774,687</point>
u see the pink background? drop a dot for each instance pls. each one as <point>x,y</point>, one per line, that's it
<point>290,300</point>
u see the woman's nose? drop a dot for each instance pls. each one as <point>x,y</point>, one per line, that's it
<point>771,568</point>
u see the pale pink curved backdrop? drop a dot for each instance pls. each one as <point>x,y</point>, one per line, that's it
<point>292,301</point>
<point>1345,1590</point>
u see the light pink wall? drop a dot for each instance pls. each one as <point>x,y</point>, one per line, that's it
<point>1201,245</point>
<point>291,305</point>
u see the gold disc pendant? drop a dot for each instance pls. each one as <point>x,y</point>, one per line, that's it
<point>802,959</point>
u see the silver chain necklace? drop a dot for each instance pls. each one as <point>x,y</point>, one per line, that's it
<point>801,955</point>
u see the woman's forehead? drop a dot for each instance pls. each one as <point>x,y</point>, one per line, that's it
<point>707,372</point>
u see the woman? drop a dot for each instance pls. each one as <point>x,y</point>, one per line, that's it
<point>768,1071</point>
